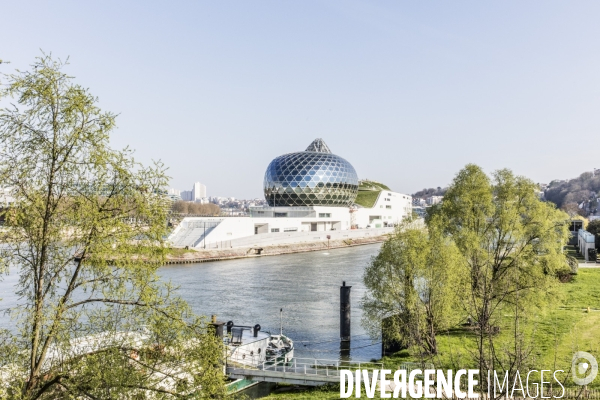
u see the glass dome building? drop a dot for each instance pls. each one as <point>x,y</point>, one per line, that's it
<point>314,177</point>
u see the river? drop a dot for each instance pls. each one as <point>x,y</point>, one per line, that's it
<point>251,291</point>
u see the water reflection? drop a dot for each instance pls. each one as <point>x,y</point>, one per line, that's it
<point>305,285</point>
<point>251,291</point>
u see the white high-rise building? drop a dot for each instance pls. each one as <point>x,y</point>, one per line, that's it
<point>197,193</point>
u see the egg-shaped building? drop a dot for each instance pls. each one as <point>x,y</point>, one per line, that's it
<point>314,177</point>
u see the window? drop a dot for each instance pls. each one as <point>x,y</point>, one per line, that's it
<point>324,215</point>
<point>273,230</point>
<point>388,206</point>
<point>280,214</point>
<point>290,229</point>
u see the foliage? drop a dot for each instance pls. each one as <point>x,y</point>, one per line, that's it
<point>561,328</point>
<point>86,237</point>
<point>511,248</point>
<point>187,207</point>
<point>593,227</point>
<point>582,189</point>
<point>412,285</point>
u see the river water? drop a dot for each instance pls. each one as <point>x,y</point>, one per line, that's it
<point>251,291</point>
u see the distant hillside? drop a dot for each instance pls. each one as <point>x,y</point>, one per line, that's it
<point>368,191</point>
<point>578,195</point>
<point>423,194</point>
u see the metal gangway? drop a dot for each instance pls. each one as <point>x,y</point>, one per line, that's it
<point>299,371</point>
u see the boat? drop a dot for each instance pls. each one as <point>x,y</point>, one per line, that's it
<point>280,349</point>
<point>249,347</point>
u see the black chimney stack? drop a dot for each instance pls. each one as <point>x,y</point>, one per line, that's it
<point>345,312</point>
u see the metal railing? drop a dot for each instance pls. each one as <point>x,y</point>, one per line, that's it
<point>313,366</point>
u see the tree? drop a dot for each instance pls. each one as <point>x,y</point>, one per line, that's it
<point>412,285</point>
<point>572,209</point>
<point>86,236</point>
<point>593,227</point>
<point>511,250</point>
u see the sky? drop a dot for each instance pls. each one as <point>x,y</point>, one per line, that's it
<point>409,92</point>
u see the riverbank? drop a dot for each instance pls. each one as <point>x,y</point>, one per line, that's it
<point>568,324</point>
<point>200,255</point>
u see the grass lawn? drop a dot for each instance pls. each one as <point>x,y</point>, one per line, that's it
<point>560,329</point>
<point>367,198</point>
<point>178,252</point>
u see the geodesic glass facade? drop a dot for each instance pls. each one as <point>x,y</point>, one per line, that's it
<point>310,178</point>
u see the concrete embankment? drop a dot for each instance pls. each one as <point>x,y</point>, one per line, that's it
<point>199,256</point>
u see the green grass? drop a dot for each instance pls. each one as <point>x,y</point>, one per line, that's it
<point>559,329</point>
<point>372,185</point>
<point>572,251</point>
<point>172,252</point>
<point>367,198</point>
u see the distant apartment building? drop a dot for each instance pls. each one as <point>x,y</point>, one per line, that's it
<point>197,194</point>
<point>418,202</point>
<point>434,200</point>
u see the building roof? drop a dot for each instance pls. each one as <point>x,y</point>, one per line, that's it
<point>318,146</point>
<point>586,236</point>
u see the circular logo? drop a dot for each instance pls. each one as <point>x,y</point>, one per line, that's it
<point>584,372</point>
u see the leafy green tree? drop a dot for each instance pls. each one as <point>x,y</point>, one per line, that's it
<point>86,236</point>
<point>594,228</point>
<point>411,284</point>
<point>511,249</point>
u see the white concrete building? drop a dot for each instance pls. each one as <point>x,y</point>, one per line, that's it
<point>389,210</point>
<point>285,225</point>
<point>197,193</point>
<point>434,200</point>
<point>311,198</point>
<point>585,241</point>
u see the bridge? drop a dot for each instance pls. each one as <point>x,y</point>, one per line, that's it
<point>299,371</point>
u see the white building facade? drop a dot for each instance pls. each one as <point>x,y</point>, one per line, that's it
<point>197,194</point>
<point>310,198</point>
<point>286,225</point>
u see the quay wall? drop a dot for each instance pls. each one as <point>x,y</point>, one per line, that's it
<point>207,255</point>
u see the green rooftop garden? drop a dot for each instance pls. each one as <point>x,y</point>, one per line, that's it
<point>372,185</point>
<point>368,192</point>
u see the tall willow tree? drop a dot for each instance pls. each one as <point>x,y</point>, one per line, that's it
<point>86,236</point>
<point>511,250</point>
<point>412,284</point>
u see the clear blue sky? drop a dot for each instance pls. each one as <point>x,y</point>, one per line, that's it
<point>407,91</point>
